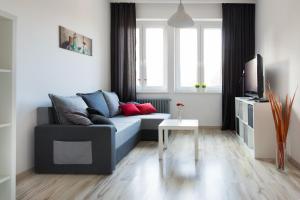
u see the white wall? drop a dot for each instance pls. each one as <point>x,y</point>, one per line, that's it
<point>164,11</point>
<point>207,108</point>
<point>42,67</point>
<point>278,31</point>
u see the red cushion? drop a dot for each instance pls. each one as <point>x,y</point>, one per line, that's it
<point>130,109</point>
<point>146,108</point>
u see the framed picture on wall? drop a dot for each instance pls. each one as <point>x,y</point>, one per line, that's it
<point>73,41</point>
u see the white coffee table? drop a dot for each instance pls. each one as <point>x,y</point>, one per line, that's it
<point>175,124</point>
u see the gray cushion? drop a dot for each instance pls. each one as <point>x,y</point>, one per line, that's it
<point>98,119</point>
<point>113,104</point>
<point>78,119</point>
<point>93,111</point>
<point>96,101</point>
<point>66,105</point>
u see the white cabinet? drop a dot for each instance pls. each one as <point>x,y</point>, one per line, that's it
<point>250,141</point>
<point>7,108</point>
<point>255,127</point>
<point>242,129</point>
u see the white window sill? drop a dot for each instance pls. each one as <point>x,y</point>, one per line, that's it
<point>200,93</point>
<point>182,92</point>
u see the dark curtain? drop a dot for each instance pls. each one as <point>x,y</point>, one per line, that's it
<point>123,48</point>
<point>238,48</point>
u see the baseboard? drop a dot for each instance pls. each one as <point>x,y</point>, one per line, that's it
<point>22,175</point>
<point>294,162</point>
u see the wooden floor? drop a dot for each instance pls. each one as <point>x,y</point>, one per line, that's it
<point>226,170</point>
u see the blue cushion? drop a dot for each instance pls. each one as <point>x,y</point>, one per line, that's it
<point>113,103</point>
<point>96,101</point>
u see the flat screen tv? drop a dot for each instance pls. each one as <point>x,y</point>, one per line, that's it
<point>254,78</point>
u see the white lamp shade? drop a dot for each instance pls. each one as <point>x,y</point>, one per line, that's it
<point>181,19</point>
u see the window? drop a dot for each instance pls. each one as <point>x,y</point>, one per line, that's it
<point>195,56</point>
<point>212,57</point>
<point>188,57</point>
<point>198,57</point>
<point>151,62</point>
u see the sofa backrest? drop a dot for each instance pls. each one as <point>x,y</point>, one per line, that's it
<point>46,115</point>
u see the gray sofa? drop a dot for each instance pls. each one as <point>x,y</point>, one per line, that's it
<point>92,149</point>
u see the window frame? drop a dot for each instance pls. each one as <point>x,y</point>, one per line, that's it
<point>200,26</point>
<point>142,87</point>
<point>179,88</point>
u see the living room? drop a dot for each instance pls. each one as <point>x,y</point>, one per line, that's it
<point>138,99</point>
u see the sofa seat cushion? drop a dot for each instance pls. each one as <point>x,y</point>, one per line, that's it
<point>127,127</point>
<point>155,116</point>
<point>148,122</point>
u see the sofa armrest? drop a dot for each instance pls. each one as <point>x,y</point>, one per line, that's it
<point>102,138</point>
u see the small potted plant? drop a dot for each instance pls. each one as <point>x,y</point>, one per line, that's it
<point>200,87</point>
<point>197,86</point>
<point>180,107</point>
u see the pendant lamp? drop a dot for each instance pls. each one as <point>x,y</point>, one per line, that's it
<point>181,19</point>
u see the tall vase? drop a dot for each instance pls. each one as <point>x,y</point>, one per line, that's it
<point>281,157</point>
<point>179,114</point>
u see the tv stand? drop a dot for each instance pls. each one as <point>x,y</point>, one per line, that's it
<point>255,127</point>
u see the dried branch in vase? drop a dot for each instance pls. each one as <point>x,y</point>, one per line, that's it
<point>281,116</point>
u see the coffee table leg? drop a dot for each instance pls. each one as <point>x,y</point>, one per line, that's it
<point>166,138</point>
<point>160,143</point>
<point>196,143</point>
